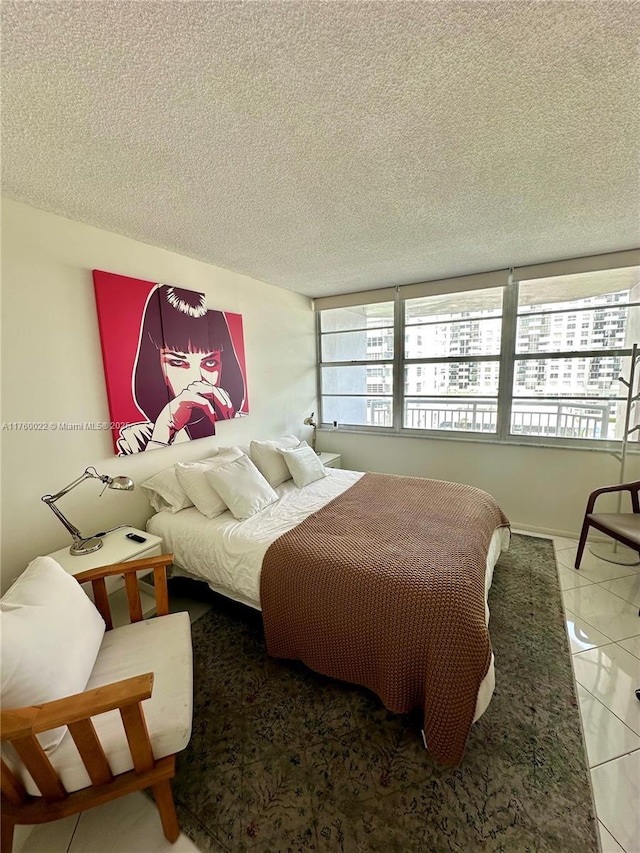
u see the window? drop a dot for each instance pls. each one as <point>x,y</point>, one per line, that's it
<point>351,341</point>
<point>590,402</point>
<point>535,360</point>
<point>459,335</point>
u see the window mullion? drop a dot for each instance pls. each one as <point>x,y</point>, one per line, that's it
<point>320,396</point>
<point>507,358</point>
<point>398,363</point>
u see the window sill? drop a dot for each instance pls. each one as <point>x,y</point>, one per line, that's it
<point>478,438</point>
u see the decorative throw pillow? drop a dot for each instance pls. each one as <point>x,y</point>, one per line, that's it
<point>243,448</point>
<point>267,459</point>
<point>192,479</point>
<point>304,465</point>
<point>242,487</point>
<point>164,492</point>
<point>51,636</point>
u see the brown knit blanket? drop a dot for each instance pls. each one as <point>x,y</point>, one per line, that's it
<point>384,587</point>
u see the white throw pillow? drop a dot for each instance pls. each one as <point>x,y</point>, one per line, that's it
<point>191,476</point>
<point>243,448</point>
<point>164,492</point>
<point>304,464</point>
<point>51,636</point>
<point>242,487</point>
<point>267,458</point>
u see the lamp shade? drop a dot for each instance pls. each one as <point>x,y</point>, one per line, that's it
<point>123,483</point>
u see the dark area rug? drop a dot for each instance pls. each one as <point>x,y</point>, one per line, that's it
<point>283,759</point>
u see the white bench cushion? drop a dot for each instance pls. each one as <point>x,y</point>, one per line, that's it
<point>162,646</point>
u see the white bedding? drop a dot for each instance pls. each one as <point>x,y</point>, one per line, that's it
<point>228,554</point>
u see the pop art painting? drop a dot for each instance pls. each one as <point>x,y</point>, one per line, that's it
<point>173,367</point>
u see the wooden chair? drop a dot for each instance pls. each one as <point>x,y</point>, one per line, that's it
<point>621,526</point>
<point>104,782</point>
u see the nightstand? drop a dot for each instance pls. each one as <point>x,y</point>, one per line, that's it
<point>331,460</point>
<point>116,549</point>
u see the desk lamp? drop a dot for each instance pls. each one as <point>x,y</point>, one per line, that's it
<point>87,544</point>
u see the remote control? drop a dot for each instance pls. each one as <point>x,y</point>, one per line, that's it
<point>136,537</point>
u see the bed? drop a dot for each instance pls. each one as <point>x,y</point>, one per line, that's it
<point>229,555</point>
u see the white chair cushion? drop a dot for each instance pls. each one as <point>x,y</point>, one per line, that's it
<point>51,635</point>
<point>161,646</point>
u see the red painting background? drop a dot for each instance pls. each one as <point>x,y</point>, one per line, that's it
<point>120,302</point>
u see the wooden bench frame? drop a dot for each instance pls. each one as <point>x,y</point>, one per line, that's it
<point>20,726</point>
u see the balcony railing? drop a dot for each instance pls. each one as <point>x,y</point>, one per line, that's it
<point>544,419</point>
<point>562,420</point>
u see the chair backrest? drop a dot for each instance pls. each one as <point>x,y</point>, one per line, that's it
<point>97,579</point>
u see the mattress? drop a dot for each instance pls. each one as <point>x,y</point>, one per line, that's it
<point>227,554</point>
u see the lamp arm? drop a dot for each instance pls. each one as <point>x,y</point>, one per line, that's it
<point>77,536</point>
<point>87,474</point>
<point>50,500</point>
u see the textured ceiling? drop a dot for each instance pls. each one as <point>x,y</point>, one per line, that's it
<point>331,146</point>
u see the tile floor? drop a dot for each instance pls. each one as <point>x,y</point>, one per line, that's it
<point>601,604</point>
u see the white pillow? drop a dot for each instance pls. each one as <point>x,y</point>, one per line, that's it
<point>164,492</point>
<point>243,448</point>
<point>242,487</point>
<point>267,459</point>
<point>191,477</point>
<point>304,464</point>
<point>51,636</point>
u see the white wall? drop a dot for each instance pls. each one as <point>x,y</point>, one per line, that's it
<point>539,488</point>
<point>52,371</point>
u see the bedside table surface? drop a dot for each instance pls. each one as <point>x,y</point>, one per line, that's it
<point>328,458</point>
<point>116,549</point>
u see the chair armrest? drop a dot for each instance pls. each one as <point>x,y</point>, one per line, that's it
<point>21,726</point>
<point>633,488</point>
<point>20,722</point>
<point>97,579</point>
<point>163,560</point>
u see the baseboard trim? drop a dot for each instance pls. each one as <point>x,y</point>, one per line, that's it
<point>550,531</point>
<point>544,531</point>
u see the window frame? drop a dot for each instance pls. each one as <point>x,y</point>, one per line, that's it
<point>373,362</point>
<point>507,358</point>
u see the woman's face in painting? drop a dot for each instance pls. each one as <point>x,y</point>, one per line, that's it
<point>182,368</point>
